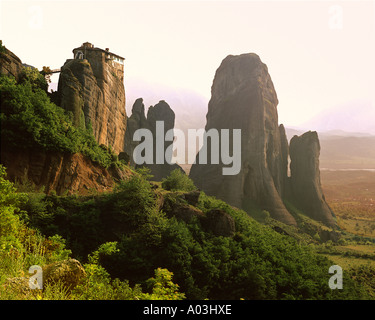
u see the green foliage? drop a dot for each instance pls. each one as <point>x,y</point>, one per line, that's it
<point>136,192</point>
<point>162,287</point>
<point>10,224</point>
<point>99,285</point>
<point>365,279</point>
<point>128,244</point>
<point>33,77</point>
<point>256,263</point>
<point>30,120</point>
<point>144,172</point>
<point>178,180</point>
<point>20,246</point>
<point>107,248</point>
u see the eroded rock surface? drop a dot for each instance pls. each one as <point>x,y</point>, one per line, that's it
<point>10,64</point>
<point>305,177</point>
<point>96,98</point>
<point>61,172</point>
<point>163,113</point>
<point>243,97</point>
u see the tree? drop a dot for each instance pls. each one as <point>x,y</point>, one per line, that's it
<point>34,77</point>
<point>163,287</point>
<point>10,224</point>
<point>178,180</point>
<point>46,72</point>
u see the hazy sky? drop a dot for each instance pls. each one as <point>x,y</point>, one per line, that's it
<point>320,54</point>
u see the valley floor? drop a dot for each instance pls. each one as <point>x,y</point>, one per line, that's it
<point>351,195</point>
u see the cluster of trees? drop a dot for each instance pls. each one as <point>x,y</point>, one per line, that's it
<point>256,263</point>
<point>22,246</point>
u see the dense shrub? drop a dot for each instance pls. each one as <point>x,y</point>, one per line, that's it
<point>178,180</point>
<point>22,247</point>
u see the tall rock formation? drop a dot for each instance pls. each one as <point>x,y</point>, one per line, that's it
<point>284,161</point>
<point>91,87</point>
<point>305,177</point>
<point>160,112</point>
<point>10,64</point>
<point>136,121</point>
<point>243,97</point>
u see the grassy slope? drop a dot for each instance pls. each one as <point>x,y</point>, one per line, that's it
<point>351,194</point>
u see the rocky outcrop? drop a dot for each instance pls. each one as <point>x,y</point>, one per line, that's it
<point>305,177</point>
<point>160,112</point>
<point>61,172</point>
<point>68,273</point>
<point>179,205</point>
<point>243,97</point>
<point>10,64</point>
<point>219,223</point>
<point>192,197</point>
<point>182,206</point>
<point>95,95</point>
<point>181,211</point>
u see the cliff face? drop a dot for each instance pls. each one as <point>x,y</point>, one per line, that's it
<point>136,121</point>
<point>160,112</point>
<point>61,172</point>
<point>10,64</point>
<point>95,94</point>
<point>243,97</point>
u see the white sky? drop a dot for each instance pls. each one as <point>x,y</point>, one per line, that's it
<point>320,54</point>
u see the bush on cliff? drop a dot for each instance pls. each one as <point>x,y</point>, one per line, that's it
<point>178,180</point>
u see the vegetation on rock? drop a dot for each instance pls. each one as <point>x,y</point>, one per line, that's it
<point>30,120</point>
